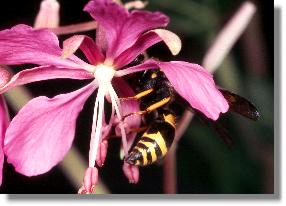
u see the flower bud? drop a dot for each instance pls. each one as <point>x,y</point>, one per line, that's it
<point>131,172</point>
<point>135,5</point>
<point>48,16</point>
<point>101,155</point>
<point>90,180</point>
<point>5,76</point>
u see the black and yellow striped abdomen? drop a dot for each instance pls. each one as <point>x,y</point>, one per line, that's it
<point>155,142</point>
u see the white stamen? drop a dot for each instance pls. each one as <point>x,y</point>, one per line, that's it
<point>111,118</point>
<point>113,93</point>
<point>92,139</point>
<point>95,110</point>
<point>116,103</point>
<point>103,74</point>
<point>111,121</point>
<point>95,139</point>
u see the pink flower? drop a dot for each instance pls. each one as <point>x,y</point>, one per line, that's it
<point>47,17</point>
<point>42,132</point>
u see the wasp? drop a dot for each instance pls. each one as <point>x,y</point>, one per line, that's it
<point>156,94</point>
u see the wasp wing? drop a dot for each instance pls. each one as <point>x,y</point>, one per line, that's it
<point>218,128</point>
<point>240,105</point>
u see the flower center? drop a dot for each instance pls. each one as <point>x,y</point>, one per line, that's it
<point>104,74</point>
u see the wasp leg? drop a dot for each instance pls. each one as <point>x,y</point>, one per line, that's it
<point>134,114</point>
<point>127,98</point>
<point>150,108</point>
<point>137,96</point>
<point>137,130</point>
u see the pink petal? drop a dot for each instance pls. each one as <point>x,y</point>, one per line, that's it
<point>197,86</point>
<point>147,40</point>
<point>101,40</point>
<point>122,28</point>
<point>24,45</point>
<point>44,73</point>
<point>109,16</point>
<point>129,106</point>
<point>142,44</point>
<point>4,122</point>
<point>171,39</point>
<point>86,44</point>
<point>149,64</point>
<point>131,172</point>
<point>42,132</point>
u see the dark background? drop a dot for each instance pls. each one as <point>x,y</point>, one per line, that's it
<point>204,163</point>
